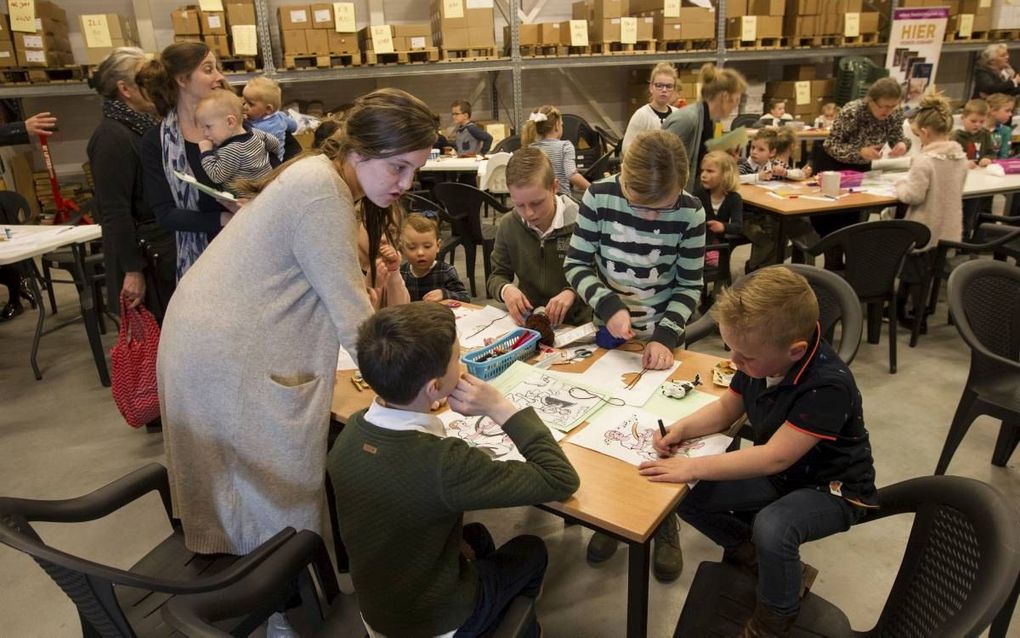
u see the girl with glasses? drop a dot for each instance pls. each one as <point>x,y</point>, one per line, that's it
<point>661,95</point>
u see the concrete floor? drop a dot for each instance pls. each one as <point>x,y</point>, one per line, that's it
<point>62,437</point>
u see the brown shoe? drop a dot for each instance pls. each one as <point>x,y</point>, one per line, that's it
<point>766,623</point>
<point>744,556</point>
<point>807,578</point>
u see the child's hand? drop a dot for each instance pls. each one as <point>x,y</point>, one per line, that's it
<point>205,146</point>
<point>666,445</point>
<point>971,164</point>
<point>559,306</point>
<point>764,176</point>
<point>390,257</point>
<point>779,171</point>
<point>433,295</point>
<point>516,304</point>
<point>674,470</point>
<point>715,226</point>
<point>474,397</point>
<point>656,356</point>
<point>436,405</point>
<point>985,162</point>
<point>619,325</point>
<point>808,171</point>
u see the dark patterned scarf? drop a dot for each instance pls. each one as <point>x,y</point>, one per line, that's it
<point>134,120</point>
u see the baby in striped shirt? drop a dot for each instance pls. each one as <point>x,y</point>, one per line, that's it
<point>229,152</point>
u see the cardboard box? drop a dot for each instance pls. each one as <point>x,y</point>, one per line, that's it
<point>1005,15</point>
<point>293,41</point>
<point>481,37</point>
<point>294,16</point>
<point>766,7</point>
<point>7,56</point>
<point>119,28</point>
<point>799,72</point>
<point>316,42</point>
<point>213,22</point>
<point>5,28</point>
<point>322,16</point>
<point>549,33</point>
<point>342,42</point>
<point>581,11</point>
<point>413,36</point>
<point>53,27</point>
<point>46,9</point>
<point>767,27</point>
<point>240,13</point>
<point>49,55</point>
<point>869,22</point>
<point>185,21</point>
<point>798,7</point>
<point>188,38</point>
<point>608,9</point>
<point>454,38</point>
<point>478,18</point>
<point>443,20</point>
<point>737,8</point>
<point>529,35</point>
<point>219,44</point>
<point>604,31</point>
<point>645,29</point>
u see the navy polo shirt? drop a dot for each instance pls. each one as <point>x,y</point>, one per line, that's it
<point>818,396</point>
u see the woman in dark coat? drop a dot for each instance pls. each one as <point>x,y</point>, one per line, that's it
<point>115,155</point>
<point>993,74</point>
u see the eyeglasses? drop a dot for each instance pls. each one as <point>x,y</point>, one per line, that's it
<point>455,113</point>
<point>663,86</point>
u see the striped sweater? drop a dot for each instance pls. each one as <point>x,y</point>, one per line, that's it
<point>649,264</point>
<point>244,156</point>
<point>563,158</point>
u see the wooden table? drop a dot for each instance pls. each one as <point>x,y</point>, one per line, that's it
<point>450,164</point>
<point>30,242</point>
<point>613,498</point>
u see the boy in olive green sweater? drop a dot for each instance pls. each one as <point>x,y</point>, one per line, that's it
<point>402,488</point>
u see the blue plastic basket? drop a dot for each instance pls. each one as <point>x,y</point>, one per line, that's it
<point>492,368</point>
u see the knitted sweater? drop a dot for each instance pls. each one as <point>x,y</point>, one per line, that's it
<point>244,156</point>
<point>442,276</point>
<point>649,264</point>
<point>644,119</point>
<point>401,499</point>
<point>978,145</point>
<point>933,188</point>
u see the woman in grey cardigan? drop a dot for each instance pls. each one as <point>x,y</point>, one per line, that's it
<point>247,358</point>
<point>721,92</point>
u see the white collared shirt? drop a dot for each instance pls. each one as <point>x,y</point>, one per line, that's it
<point>557,220</point>
<point>403,420</point>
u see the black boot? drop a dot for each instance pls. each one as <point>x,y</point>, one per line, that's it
<point>11,310</point>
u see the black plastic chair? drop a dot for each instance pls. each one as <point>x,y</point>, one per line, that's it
<point>992,227</point>
<point>744,119</point>
<point>581,134</point>
<point>603,166</point>
<point>507,144</point>
<point>837,305</point>
<point>464,204</point>
<point>114,602</point>
<point>999,239</point>
<point>960,565</point>
<point>984,300</point>
<point>874,253</point>
<point>610,141</point>
<point>14,211</point>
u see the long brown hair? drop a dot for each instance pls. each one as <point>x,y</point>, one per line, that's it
<point>381,124</point>
<point>158,78</point>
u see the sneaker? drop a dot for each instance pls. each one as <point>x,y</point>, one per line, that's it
<point>277,626</point>
<point>601,548</point>
<point>667,557</point>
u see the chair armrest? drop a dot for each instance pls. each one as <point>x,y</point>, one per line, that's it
<point>817,249</point>
<point>998,219</point>
<point>982,247</point>
<point>699,329</point>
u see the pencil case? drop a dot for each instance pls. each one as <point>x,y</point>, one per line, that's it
<point>488,363</point>
<point>850,179</point>
<point>1010,166</point>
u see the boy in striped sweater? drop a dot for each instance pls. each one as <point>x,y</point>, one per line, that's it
<point>229,152</point>
<point>636,257</point>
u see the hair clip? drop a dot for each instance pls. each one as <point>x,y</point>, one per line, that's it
<point>538,116</point>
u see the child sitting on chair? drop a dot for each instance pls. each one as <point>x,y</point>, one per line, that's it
<point>469,139</point>
<point>810,473</point>
<point>426,278</point>
<point>229,152</point>
<point>1000,117</point>
<point>543,130</point>
<point>404,486</point>
<point>758,165</point>
<point>782,163</point>
<point>828,116</point>
<point>724,207</point>
<point>777,115</point>
<point>262,102</point>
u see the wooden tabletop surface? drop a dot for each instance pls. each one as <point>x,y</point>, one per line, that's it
<point>798,205</point>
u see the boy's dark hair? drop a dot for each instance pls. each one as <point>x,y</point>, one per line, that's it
<point>774,102</point>
<point>463,105</point>
<point>325,131</point>
<point>401,348</point>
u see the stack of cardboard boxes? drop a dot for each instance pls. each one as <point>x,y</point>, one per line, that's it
<point>414,36</point>
<point>104,32</point>
<point>192,24</point>
<point>243,28</point>
<point>808,19</point>
<point>677,21</point>
<point>7,55</point>
<point>463,24</point>
<point>748,21</point>
<point>1005,15</point>
<point>318,29</point>
<point>40,34</point>
<point>611,21</point>
<point>805,89</point>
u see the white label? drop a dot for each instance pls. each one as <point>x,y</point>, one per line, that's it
<point>33,41</point>
<point>578,33</point>
<point>5,54</point>
<point>245,39</point>
<point>322,15</point>
<point>628,30</point>
<point>966,25</point>
<point>22,14</point>
<point>479,4</point>
<point>35,56</point>
<point>210,5</point>
<point>671,9</point>
<point>96,31</point>
<point>748,28</point>
<point>852,25</point>
<point>453,8</point>
<point>343,17</point>
<point>299,15</point>
<point>382,39</point>
<point>803,90</point>
<point>418,42</point>
<point>984,4</point>
<point>214,21</point>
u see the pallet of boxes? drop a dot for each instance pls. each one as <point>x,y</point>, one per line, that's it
<point>104,32</point>
<point>837,23</point>
<point>612,29</point>
<point>464,30</point>
<point>40,38</point>
<point>550,39</point>
<point>969,20</point>
<point>1005,20</point>
<point>229,31</point>
<point>319,35</point>
<point>398,44</point>
<point>754,24</point>
<point>678,26</point>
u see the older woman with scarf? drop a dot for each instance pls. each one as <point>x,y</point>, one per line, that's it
<point>175,82</point>
<point>115,155</point>
<point>993,74</point>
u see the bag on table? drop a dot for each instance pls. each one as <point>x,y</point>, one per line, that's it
<point>133,361</point>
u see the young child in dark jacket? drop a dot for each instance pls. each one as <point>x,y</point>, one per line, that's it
<point>724,207</point>
<point>426,278</point>
<point>469,139</point>
<point>404,486</point>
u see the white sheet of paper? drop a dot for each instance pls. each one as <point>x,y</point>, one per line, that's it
<point>345,361</point>
<point>561,406</point>
<point>489,322</point>
<point>482,432</point>
<point>626,434</point>
<point>607,374</point>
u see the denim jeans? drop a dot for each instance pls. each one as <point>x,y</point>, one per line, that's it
<point>517,568</point>
<point>734,512</point>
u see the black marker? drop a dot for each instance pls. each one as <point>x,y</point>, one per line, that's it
<point>662,429</point>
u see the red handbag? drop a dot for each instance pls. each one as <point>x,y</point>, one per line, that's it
<point>133,361</point>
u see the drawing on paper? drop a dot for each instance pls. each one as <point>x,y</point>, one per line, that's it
<point>630,437</point>
<point>483,433</point>
<point>559,405</point>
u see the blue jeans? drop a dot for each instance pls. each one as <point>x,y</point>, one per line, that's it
<point>732,513</point>
<point>517,568</point>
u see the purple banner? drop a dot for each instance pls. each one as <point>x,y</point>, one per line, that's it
<point>921,14</point>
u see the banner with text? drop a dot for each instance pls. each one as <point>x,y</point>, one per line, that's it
<point>915,44</point>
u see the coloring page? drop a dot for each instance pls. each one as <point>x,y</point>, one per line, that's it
<point>482,432</point>
<point>560,405</point>
<point>488,323</point>
<point>616,370</point>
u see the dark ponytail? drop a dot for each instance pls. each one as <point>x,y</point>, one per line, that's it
<point>158,78</point>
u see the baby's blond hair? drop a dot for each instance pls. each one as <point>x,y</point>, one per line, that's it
<point>222,102</point>
<point>265,90</point>
<point>774,304</point>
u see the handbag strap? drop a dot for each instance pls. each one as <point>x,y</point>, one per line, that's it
<point>131,327</point>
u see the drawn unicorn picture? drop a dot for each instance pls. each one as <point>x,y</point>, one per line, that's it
<point>484,434</point>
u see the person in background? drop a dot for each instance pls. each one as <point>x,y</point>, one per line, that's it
<point>695,124</point>
<point>972,135</point>
<point>324,131</point>
<point>115,157</point>
<point>175,82</point>
<point>776,115</point>
<point>782,163</point>
<point>759,163</point>
<point>426,278</point>
<point>993,74</point>
<point>229,151</point>
<point>661,94</point>
<point>262,102</point>
<point>829,113</point>
<point>469,139</point>
<point>999,122</point>
<point>543,131</point>
<point>720,196</point>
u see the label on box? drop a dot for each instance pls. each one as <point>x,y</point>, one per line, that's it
<point>479,4</point>
<point>298,15</point>
<point>984,4</point>
<point>322,15</point>
<point>22,15</point>
<point>343,16</point>
<point>453,8</point>
<point>33,41</point>
<point>852,25</point>
<point>671,9</point>
<point>966,25</point>
<point>210,5</point>
<point>214,22</point>
<point>803,90</point>
<point>245,39</point>
<point>578,33</point>
<point>96,31</point>
<point>382,39</point>
<point>748,28</point>
<point>628,30</point>
<point>418,42</point>
<point>5,54</point>
<point>36,56</point>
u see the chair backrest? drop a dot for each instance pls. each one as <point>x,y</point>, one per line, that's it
<point>601,167</point>
<point>874,253</point>
<point>14,208</point>
<point>961,561</point>
<point>580,133</point>
<point>610,140</point>
<point>508,144</point>
<point>744,119</point>
<point>984,299</point>
<point>495,173</point>
<point>837,304</point>
<point>464,205</point>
